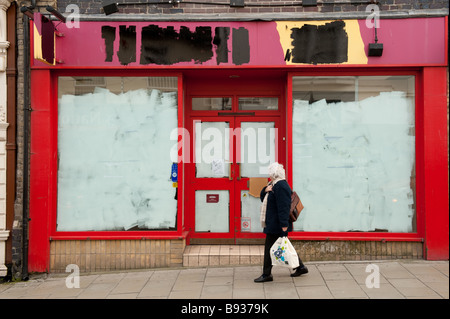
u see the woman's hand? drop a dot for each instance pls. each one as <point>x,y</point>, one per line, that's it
<point>269,188</point>
<point>284,229</point>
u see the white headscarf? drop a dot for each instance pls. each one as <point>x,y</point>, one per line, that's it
<point>276,173</point>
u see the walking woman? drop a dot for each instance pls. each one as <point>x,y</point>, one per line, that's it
<point>276,203</point>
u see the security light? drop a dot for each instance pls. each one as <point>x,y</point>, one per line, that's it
<point>56,13</point>
<point>236,3</point>
<point>26,11</point>
<point>309,3</point>
<point>375,49</point>
<point>110,7</point>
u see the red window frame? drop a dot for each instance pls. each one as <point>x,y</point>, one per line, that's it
<point>52,148</point>
<point>235,87</point>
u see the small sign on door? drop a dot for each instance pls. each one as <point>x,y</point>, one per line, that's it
<point>246,224</point>
<point>212,198</point>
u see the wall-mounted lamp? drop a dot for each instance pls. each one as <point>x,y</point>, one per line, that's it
<point>56,14</point>
<point>26,11</point>
<point>110,7</point>
<point>375,49</point>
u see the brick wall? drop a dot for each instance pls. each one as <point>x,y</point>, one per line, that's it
<point>357,250</point>
<point>107,255</point>
<point>252,6</point>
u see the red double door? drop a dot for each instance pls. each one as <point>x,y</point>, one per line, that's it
<point>234,136</point>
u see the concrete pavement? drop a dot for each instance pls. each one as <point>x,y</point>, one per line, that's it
<point>397,279</point>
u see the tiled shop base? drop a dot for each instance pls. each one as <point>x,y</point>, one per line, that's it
<point>106,255</point>
<point>218,255</point>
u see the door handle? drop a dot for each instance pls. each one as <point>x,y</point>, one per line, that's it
<point>230,174</point>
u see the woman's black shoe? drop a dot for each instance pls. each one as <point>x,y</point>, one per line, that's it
<point>300,271</point>
<point>264,278</point>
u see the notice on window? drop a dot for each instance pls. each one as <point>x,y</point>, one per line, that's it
<point>212,198</point>
<point>246,225</point>
<point>256,184</point>
<point>218,167</point>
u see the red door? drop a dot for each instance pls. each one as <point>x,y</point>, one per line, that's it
<point>234,137</point>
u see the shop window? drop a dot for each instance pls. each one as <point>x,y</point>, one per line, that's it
<point>211,103</point>
<point>114,163</point>
<point>85,85</point>
<point>258,103</point>
<point>354,153</point>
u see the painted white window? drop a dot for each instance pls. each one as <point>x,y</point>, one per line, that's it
<point>114,164</point>
<point>354,153</point>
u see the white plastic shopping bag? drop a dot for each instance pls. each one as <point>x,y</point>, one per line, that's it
<point>283,254</point>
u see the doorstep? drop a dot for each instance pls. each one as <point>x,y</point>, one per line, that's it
<point>222,255</point>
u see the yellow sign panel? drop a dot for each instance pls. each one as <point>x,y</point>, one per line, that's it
<point>309,42</point>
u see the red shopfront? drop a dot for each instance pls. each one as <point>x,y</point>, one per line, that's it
<point>216,102</point>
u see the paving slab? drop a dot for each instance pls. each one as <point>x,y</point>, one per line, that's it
<point>385,291</point>
<point>312,278</point>
<point>314,292</point>
<point>338,275</point>
<point>280,290</point>
<point>441,288</point>
<point>131,283</point>
<point>217,292</point>
<point>218,280</point>
<point>413,288</point>
<point>360,271</point>
<point>156,289</point>
<point>346,289</point>
<point>394,270</point>
<point>255,292</point>
<point>443,267</point>
<point>97,291</point>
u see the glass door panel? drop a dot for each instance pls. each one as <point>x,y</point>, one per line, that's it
<point>212,211</point>
<point>212,149</point>
<point>211,103</point>
<point>250,206</point>
<point>258,103</point>
<point>257,148</point>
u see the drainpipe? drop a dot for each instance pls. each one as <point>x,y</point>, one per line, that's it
<point>26,119</point>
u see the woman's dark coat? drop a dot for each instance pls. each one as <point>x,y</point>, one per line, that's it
<point>278,206</point>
